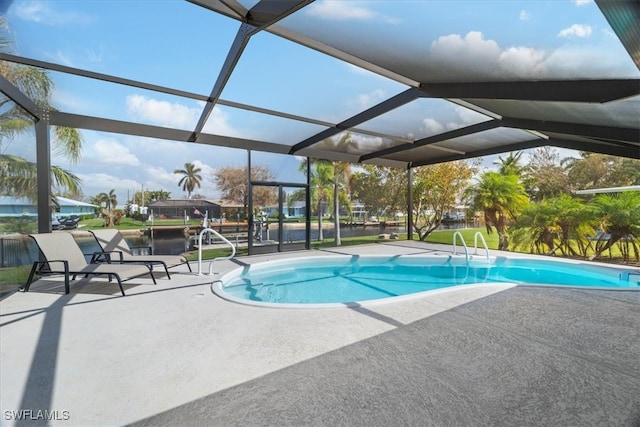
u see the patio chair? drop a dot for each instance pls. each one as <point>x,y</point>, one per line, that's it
<point>116,249</point>
<point>62,255</point>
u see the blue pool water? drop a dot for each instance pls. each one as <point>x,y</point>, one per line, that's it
<point>347,279</point>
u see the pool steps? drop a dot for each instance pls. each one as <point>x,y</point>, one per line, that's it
<point>475,245</point>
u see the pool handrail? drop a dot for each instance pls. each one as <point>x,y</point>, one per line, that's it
<point>455,249</point>
<point>215,233</point>
<point>484,242</point>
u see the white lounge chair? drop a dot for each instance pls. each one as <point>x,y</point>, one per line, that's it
<point>116,249</point>
<point>62,255</point>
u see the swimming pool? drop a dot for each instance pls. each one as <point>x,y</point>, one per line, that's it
<point>355,279</point>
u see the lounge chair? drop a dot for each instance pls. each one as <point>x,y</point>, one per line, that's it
<point>116,249</point>
<point>62,255</point>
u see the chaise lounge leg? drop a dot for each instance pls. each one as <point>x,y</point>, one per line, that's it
<point>166,269</point>
<point>31,274</point>
<point>119,283</point>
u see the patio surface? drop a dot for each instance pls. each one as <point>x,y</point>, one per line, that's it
<point>176,354</point>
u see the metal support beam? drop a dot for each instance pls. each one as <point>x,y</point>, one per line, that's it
<point>43,169</point>
<point>267,12</point>
<point>578,129</point>
<point>593,91</point>
<point>524,145</point>
<point>239,43</point>
<point>409,203</point>
<point>479,127</point>
<point>375,111</point>
<point>602,147</point>
<point>260,16</point>
<point>100,76</point>
<point>19,98</point>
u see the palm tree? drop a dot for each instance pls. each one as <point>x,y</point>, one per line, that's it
<point>619,216</point>
<point>190,178</point>
<point>111,199</point>
<point>18,175</point>
<point>320,182</point>
<point>535,228</point>
<point>340,180</point>
<point>502,198</point>
<point>510,164</point>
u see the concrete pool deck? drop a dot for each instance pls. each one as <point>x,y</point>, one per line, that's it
<point>176,354</point>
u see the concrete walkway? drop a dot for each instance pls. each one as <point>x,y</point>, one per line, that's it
<point>176,354</point>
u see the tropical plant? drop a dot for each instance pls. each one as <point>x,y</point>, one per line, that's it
<point>191,178</point>
<point>510,165</point>
<point>501,198</point>
<point>619,219</point>
<point>535,231</point>
<point>110,200</point>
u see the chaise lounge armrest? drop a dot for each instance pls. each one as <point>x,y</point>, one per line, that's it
<point>105,256</point>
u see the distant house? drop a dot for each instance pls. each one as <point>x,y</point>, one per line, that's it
<point>195,208</point>
<point>297,209</point>
<point>16,207</point>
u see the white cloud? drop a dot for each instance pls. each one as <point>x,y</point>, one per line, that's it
<point>109,151</point>
<point>432,126</point>
<point>217,124</point>
<point>582,2</point>
<point>522,61</point>
<point>367,100</point>
<point>487,54</point>
<point>42,13</point>
<point>162,113</point>
<point>96,183</point>
<point>167,114</point>
<point>576,30</point>
<point>524,15</point>
<point>472,47</point>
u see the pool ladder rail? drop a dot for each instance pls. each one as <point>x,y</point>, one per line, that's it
<point>630,278</point>
<point>475,245</point>
<point>221,237</point>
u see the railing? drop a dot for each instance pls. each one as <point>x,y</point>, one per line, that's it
<point>484,242</point>
<point>630,278</point>
<point>209,230</point>
<point>455,249</point>
<point>13,252</point>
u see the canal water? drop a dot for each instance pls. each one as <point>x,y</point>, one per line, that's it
<point>172,245</point>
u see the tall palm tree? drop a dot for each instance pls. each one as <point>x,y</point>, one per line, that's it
<point>340,180</point>
<point>320,183</point>
<point>190,178</point>
<point>501,198</point>
<point>110,199</point>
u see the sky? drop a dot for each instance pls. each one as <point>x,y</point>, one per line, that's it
<point>177,44</point>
